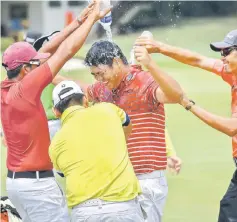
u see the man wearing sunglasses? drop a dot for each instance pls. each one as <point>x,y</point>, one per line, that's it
<point>226,67</point>
<point>31,185</point>
<point>37,40</point>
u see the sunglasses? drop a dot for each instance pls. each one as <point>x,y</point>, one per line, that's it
<point>33,62</point>
<point>227,51</point>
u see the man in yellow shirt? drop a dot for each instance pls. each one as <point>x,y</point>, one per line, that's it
<point>90,150</point>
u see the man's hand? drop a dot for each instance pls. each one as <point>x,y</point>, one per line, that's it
<point>174,163</point>
<point>151,45</point>
<point>96,14</point>
<point>85,13</point>
<point>142,56</point>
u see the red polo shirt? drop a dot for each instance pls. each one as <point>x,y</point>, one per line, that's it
<point>24,121</point>
<point>136,96</point>
<point>232,81</point>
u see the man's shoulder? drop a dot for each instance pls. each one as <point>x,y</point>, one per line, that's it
<point>103,105</point>
<point>97,86</point>
<point>219,68</point>
<point>10,90</point>
<point>98,92</point>
<point>143,78</point>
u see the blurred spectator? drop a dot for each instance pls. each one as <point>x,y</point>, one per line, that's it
<point>3,31</point>
<point>69,17</point>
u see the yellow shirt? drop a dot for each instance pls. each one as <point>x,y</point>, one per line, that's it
<point>90,150</point>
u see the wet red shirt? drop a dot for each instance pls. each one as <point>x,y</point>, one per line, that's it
<point>232,81</point>
<point>136,96</point>
<point>24,121</point>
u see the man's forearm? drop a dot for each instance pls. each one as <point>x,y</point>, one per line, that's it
<point>188,57</point>
<point>58,78</point>
<point>53,45</point>
<point>179,54</point>
<point>70,46</point>
<point>167,84</point>
<point>222,124</point>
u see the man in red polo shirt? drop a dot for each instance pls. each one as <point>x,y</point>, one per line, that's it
<point>142,95</point>
<point>31,185</point>
<point>226,68</point>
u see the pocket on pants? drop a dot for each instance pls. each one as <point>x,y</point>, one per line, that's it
<point>154,189</point>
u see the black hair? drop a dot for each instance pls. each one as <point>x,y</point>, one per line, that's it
<point>103,52</point>
<point>14,73</point>
<point>75,99</point>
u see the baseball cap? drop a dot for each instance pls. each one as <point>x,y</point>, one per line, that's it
<point>64,89</point>
<point>229,41</point>
<point>19,53</point>
<point>38,43</point>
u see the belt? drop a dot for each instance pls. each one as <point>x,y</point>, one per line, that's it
<point>99,202</point>
<point>30,174</point>
<point>152,175</point>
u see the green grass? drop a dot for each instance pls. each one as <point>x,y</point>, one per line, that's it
<point>207,165</point>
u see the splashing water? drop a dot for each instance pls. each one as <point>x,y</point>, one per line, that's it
<point>108,33</point>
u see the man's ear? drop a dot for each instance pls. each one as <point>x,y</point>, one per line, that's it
<point>85,102</point>
<point>24,71</point>
<point>56,113</point>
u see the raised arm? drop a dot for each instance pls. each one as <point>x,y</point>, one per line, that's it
<point>53,45</point>
<point>182,55</point>
<point>222,124</point>
<point>169,90</point>
<point>74,42</point>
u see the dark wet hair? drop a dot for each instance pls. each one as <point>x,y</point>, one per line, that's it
<point>103,52</point>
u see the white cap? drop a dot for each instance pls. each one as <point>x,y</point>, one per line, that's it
<point>64,89</point>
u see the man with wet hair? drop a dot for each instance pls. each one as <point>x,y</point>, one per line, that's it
<point>142,94</point>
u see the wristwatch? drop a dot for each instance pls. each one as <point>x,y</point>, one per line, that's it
<point>189,105</point>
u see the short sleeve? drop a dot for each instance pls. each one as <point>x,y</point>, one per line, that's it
<point>125,120</point>
<point>33,84</point>
<point>150,93</point>
<point>218,68</point>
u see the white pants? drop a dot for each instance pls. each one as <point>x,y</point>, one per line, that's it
<point>54,126</point>
<point>127,211</point>
<point>154,192</point>
<point>38,200</point>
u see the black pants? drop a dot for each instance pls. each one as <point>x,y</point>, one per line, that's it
<point>228,205</point>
